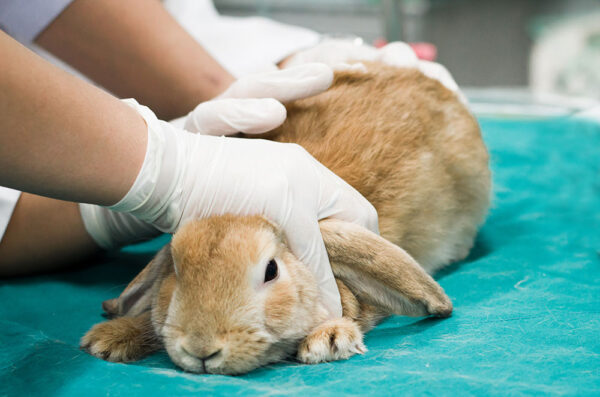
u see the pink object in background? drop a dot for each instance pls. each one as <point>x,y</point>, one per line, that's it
<point>425,51</point>
<point>379,42</point>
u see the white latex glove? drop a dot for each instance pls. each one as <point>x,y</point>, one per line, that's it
<point>252,103</point>
<point>257,112</point>
<point>337,53</point>
<point>334,52</point>
<point>188,176</point>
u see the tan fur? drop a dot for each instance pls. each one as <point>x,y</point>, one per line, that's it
<point>401,139</point>
<point>410,147</point>
<point>122,339</point>
<point>376,264</point>
<point>336,339</point>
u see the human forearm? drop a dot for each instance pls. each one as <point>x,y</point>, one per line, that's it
<point>61,137</point>
<point>43,234</point>
<point>136,49</point>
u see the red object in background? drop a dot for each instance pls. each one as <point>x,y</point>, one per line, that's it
<point>426,51</point>
<point>380,42</point>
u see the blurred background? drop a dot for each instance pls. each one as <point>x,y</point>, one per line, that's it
<point>539,46</point>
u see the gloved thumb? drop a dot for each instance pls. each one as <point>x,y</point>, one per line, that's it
<point>285,85</point>
<point>438,72</point>
<point>230,116</point>
<point>398,54</point>
<point>307,245</point>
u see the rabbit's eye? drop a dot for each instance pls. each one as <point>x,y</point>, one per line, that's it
<point>271,271</point>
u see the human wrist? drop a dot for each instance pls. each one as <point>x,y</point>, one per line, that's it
<point>111,230</point>
<point>125,222</point>
<point>153,196</point>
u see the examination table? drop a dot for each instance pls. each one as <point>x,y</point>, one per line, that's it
<point>527,301</point>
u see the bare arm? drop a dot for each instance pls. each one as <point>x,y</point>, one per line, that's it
<point>61,137</point>
<point>43,234</point>
<point>136,49</point>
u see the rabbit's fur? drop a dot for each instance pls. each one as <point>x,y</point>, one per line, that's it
<point>401,139</point>
<point>410,147</point>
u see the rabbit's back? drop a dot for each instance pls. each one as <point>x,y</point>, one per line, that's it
<point>410,147</point>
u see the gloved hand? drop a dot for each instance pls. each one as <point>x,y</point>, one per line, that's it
<point>248,105</point>
<point>334,52</point>
<point>252,103</point>
<point>337,53</point>
<point>187,176</point>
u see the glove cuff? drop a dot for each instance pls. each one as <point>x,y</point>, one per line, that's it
<point>111,230</point>
<point>151,197</point>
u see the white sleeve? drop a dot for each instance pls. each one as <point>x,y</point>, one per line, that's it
<point>244,46</point>
<point>8,200</point>
<point>24,20</point>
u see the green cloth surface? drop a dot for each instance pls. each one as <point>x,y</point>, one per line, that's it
<point>527,301</point>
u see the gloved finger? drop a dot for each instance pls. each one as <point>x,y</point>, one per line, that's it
<point>335,51</point>
<point>341,201</point>
<point>352,67</point>
<point>305,241</point>
<point>351,206</point>
<point>438,72</point>
<point>284,85</point>
<point>398,54</point>
<point>230,116</point>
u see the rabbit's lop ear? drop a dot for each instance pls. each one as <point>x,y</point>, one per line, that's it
<point>381,273</point>
<point>137,296</point>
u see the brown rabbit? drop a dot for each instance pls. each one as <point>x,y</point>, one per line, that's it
<point>227,295</point>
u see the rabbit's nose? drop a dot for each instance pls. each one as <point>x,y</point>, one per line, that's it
<point>202,356</point>
<point>211,355</point>
<point>208,357</point>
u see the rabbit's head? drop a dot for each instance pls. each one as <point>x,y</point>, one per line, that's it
<point>237,298</point>
<point>228,296</point>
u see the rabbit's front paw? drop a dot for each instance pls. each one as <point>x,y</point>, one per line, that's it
<point>336,339</point>
<point>440,307</point>
<point>120,340</point>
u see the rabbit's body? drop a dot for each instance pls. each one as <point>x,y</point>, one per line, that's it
<point>410,147</point>
<point>401,139</point>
